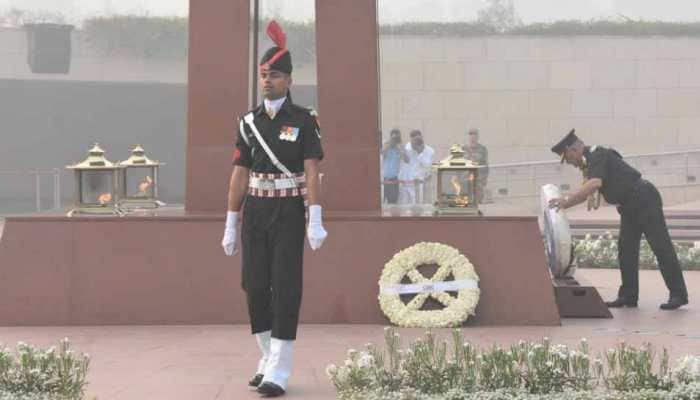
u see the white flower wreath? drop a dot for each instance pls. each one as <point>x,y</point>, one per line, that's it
<point>449,262</point>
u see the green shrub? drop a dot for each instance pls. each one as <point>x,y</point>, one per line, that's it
<point>438,370</point>
<point>55,373</point>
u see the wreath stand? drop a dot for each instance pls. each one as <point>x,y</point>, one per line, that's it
<point>574,298</point>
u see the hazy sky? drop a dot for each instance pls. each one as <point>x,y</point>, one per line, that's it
<point>390,10</point>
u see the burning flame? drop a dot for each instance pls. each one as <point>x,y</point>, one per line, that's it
<point>459,200</point>
<point>456,185</point>
<point>144,185</point>
<point>104,198</point>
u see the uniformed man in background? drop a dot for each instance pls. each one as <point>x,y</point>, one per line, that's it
<point>478,154</point>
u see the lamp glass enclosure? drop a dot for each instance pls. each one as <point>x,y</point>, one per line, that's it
<point>457,185</point>
<point>139,181</point>
<point>96,185</point>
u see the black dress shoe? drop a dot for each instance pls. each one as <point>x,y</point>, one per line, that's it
<point>673,303</point>
<point>269,389</point>
<point>621,302</point>
<point>256,380</point>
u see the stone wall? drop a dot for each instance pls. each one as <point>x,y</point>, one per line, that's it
<point>637,94</point>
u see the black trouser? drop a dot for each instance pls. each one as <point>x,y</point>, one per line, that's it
<point>643,213</point>
<point>391,190</point>
<point>272,236</point>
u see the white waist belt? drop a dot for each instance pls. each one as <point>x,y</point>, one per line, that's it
<point>274,184</point>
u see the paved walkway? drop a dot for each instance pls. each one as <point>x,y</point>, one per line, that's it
<point>215,362</point>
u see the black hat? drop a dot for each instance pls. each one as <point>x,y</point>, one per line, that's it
<point>277,57</point>
<point>568,140</point>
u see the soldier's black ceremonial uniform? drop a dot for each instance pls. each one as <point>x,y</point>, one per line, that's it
<point>273,227</point>
<point>641,212</point>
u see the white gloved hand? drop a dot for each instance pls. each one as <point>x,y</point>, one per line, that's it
<point>229,240</point>
<point>315,231</point>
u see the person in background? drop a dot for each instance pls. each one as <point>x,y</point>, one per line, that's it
<point>393,153</point>
<point>478,154</point>
<point>416,170</point>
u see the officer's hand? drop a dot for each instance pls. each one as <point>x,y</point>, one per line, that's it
<point>315,232</point>
<point>558,203</point>
<point>229,240</point>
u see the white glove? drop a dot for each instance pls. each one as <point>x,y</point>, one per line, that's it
<point>315,231</point>
<point>229,240</point>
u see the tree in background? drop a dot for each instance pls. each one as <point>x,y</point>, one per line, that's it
<point>15,17</point>
<point>499,14</point>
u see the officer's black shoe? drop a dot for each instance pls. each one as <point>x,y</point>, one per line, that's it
<point>269,389</point>
<point>673,303</point>
<point>256,380</point>
<point>621,302</point>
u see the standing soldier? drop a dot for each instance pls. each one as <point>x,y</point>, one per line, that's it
<point>478,154</point>
<point>640,208</point>
<point>276,167</point>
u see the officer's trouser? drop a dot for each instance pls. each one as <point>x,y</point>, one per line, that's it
<point>407,192</point>
<point>272,236</point>
<point>643,213</point>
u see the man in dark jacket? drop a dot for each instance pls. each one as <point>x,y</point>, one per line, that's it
<point>641,212</point>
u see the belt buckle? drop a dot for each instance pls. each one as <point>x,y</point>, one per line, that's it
<point>267,184</point>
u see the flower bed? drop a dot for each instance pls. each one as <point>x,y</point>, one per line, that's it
<point>38,374</point>
<point>430,369</point>
<point>601,252</point>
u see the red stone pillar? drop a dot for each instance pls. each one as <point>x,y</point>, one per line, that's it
<point>348,98</point>
<point>217,93</point>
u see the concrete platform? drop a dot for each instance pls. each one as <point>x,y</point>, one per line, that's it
<point>210,362</point>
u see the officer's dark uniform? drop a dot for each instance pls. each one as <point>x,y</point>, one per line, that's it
<point>273,228</point>
<point>640,208</point>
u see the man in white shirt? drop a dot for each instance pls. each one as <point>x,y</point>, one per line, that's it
<point>414,173</point>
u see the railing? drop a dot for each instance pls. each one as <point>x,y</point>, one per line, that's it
<point>54,174</point>
<point>520,182</point>
<point>524,179</point>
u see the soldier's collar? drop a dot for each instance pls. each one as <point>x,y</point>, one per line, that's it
<point>589,149</point>
<point>586,152</point>
<point>285,106</point>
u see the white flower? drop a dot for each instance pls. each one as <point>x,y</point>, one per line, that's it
<point>342,374</point>
<point>331,370</point>
<point>365,360</point>
<point>690,366</point>
<point>404,263</point>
